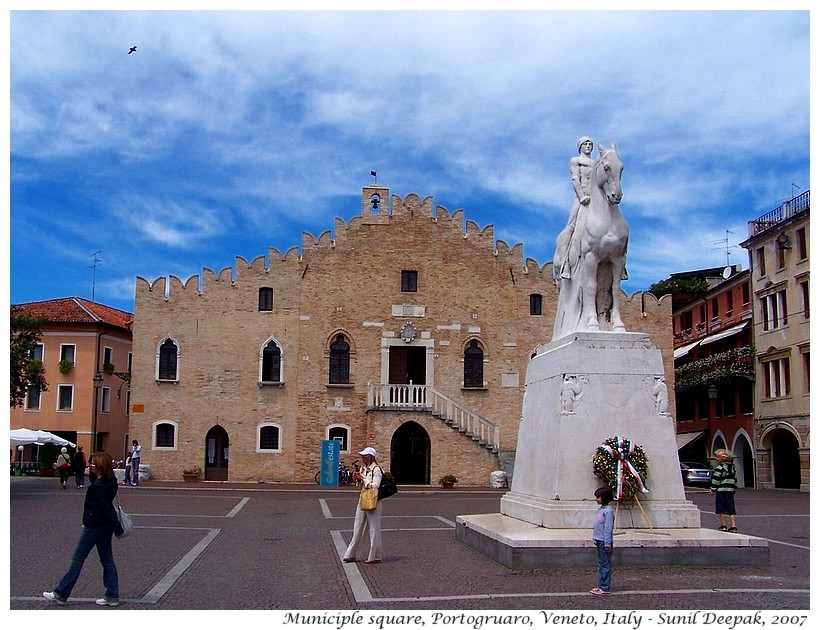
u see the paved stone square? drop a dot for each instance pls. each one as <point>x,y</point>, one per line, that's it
<point>219,546</point>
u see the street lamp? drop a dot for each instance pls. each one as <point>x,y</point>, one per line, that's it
<point>98,383</point>
<point>712,391</point>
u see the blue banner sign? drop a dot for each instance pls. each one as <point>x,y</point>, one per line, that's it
<point>330,463</point>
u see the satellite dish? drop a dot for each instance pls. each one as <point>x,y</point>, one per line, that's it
<point>727,272</point>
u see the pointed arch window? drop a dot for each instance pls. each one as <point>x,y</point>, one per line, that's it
<point>473,365</point>
<point>271,363</point>
<point>339,361</point>
<point>168,361</point>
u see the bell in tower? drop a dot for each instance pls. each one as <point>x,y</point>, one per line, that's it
<point>375,202</point>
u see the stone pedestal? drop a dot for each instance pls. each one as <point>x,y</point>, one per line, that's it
<point>580,390</point>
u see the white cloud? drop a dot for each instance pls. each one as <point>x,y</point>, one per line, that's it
<point>227,126</point>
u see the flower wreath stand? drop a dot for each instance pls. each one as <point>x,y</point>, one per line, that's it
<point>623,466</point>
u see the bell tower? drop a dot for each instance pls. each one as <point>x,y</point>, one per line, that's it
<point>375,204</point>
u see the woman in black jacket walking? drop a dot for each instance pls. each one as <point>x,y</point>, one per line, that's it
<point>100,523</point>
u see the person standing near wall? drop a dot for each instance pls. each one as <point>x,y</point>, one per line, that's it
<point>136,454</point>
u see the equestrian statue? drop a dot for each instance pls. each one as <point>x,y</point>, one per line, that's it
<point>590,252</point>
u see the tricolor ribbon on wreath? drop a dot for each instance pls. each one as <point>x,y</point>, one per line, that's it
<point>621,454</point>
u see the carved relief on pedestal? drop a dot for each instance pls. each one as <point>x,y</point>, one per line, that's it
<point>656,388</point>
<point>572,390</point>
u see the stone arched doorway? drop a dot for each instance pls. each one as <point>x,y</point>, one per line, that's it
<point>216,454</point>
<point>410,454</point>
<point>785,460</point>
<point>746,471</point>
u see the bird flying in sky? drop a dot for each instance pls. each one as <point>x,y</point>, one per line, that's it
<point>133,49</point>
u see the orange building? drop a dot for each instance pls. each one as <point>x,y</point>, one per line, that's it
<point>85,348</point>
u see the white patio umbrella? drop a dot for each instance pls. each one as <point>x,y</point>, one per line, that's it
<point>29,436</point>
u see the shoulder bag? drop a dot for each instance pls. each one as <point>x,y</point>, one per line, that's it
<point>368,499</point>
<point>387,488</point>
<point>125,521</point>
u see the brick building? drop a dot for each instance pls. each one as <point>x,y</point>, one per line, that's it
<point>778,246</point>
<point>85,349</point>
<point>406,329</point>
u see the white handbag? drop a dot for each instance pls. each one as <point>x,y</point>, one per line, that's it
<point>125,521</point>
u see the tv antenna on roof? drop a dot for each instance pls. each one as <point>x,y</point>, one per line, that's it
<point>94,266</point>
<point>725,242</point>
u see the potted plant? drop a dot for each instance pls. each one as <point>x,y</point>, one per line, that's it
<point>448,481</point>
<point>192,474</point>
<point>65,365</point>
<point>108,368</point>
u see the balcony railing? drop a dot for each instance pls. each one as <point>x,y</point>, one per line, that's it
<point>409,397</point>
<point>787,210</point>
<point>723,366</point>
<point>397,396</point>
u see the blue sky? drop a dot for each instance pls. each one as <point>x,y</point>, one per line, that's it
<point>227,133</point>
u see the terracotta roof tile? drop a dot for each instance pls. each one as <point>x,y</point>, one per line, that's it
<point>78,310</point>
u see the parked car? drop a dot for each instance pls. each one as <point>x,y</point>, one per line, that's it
<point>695,474</point>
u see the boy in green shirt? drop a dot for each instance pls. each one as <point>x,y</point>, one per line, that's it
<point>724,484</point>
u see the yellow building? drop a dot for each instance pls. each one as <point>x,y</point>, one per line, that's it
<point>778,247</point>
<point>405,329</point>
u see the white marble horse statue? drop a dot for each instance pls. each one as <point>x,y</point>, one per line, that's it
<point>589,292</point>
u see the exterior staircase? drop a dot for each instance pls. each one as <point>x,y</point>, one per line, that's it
<point>410,397</point>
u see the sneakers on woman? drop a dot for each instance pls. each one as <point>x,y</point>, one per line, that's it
<point>102,601</point>
<point>53,597</point>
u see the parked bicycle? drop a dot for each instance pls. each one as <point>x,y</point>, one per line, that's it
<point>345,474</point>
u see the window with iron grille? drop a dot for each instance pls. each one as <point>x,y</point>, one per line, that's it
<point>269,438</point>
<point>339,361</point>
<point>165,435</point>
<point>473,365</point>
<point>535,303</point>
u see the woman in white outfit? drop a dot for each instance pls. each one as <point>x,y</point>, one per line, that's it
<point>369,476</point>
